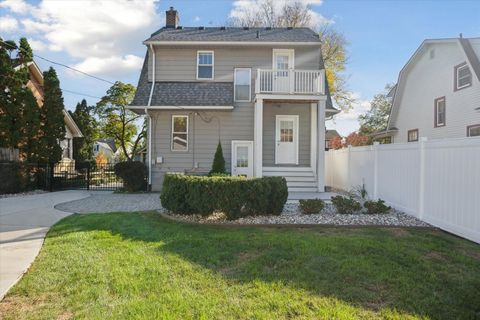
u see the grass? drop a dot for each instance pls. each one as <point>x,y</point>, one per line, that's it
<point>141,266</point>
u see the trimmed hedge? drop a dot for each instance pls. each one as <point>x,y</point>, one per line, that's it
<point>133,174</point>
<point>235,196</point>
<point>311,206</point>
<point>376,207</point>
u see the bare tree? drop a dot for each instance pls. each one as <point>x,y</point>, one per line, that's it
<point>275,14</point>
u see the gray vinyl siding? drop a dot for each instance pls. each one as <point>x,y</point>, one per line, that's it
<point>180,63</point>
<point>270,110</point>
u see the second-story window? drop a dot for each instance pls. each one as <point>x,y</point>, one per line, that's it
<point>440,112</point>
<point>242,78</point>
<point>463,76</point>
<point>205,65</point>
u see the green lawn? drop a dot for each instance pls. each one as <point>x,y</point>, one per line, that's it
<point>141,266</point>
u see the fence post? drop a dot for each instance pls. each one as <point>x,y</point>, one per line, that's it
<point>349,167</point>
<point>421,176</point>
<point>375,170</point>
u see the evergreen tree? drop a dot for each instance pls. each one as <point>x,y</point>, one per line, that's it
<point>52,118</point>
<point>83,147</point>
<point>218,165</point>
<point>31,132</point>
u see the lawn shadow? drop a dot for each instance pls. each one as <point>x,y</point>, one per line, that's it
<point>418,272</point>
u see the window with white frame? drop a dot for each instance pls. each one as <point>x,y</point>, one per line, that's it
<point>242,79</point>
<point>413,135</point>
<point>440,112</point>
<point>473,130</point>
<point>463,76</point>
<point>205,65</point>
<point>179,133</point>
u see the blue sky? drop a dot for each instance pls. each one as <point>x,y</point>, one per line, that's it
<point>104,38</point>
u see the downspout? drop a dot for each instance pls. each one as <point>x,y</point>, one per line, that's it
<point>149,133</point>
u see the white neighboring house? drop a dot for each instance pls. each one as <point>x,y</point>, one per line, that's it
<point>106,147</point>
<point>438,92</point>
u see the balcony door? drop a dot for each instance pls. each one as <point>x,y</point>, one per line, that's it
<point>286,136</point>
<point>283,61</point>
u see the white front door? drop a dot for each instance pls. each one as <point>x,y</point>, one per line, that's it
<point>286,139</point>
<point>242,158</point>
<point>283,61</point>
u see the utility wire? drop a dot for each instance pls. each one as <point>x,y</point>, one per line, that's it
<point>62,65</point>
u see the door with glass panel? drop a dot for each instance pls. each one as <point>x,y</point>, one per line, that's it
<point>283,66</point>
<point>286,147</point>
<point>242,158</point>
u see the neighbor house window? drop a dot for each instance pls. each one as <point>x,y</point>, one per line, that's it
<point>205,65</point>
<point>412,135</point>
<point>242,78</point>
<point>440,112</point>
<point>179,133</point>
<point>96,148</point>
<point>473,131</point>
<point>463,76</point>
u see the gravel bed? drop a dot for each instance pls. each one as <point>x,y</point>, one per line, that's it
<point>291,215</point>
<point>22,194</point>
<point>113,202</point>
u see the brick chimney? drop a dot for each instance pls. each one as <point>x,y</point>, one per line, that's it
<point>172,18</point>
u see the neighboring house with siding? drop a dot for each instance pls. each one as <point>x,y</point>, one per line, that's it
<point>261,92</point>
<point>329,136</point>
<point>106,147</point>
<point>35,84</point>
<point>438,92</point>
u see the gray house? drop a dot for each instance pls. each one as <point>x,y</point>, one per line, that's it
<point>261,92</point>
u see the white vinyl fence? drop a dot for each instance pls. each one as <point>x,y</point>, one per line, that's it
<point>437,181</point>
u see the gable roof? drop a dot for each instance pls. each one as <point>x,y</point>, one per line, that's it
<point>227,34</point>
<point>330,134</point>
<point>108,143</point>
<point>464,44</point>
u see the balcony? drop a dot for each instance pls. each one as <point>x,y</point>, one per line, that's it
<point>290,82</point>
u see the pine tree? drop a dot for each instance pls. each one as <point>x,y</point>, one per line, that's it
<point>218,166</point>
<point>52,118</point>
<point>31,131</point>
<point>82,147</point>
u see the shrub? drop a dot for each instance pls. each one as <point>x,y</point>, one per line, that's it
<point>235,196</point>
<point>346,205</point>
<point>218,166</point>
<point>14,177</point>
<point>133,174</point>
<point>376,207</point>
<point>312,206</point>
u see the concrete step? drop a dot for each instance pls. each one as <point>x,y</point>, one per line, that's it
<point>288,174</point>
<point>300,179</point>
<point>306,189</point>
<point>302,184</point>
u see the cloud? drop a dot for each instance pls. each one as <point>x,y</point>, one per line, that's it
<point>37,45</point>
<point>114,65</point>
<point>196,19</point>
<point>8,23</point>
<point>16,6</point>
<point>91,31</point>
<point>243,7</point>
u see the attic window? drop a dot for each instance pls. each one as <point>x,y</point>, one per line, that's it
<point>463,76</point>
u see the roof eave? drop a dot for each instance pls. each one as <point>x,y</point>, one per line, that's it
<point>232,43</point>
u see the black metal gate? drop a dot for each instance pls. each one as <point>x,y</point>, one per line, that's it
<point>67,176</point>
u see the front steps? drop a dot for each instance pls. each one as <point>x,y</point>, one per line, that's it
<point>299,179</point>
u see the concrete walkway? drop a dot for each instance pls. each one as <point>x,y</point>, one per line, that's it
<point>24,222</point>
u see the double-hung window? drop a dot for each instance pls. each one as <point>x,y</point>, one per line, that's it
<point>180,133</point>
<point>463,76</point>
<point>242,79</point>
<point>205,61</point>
<point>440,112</point>
<point>473,130</point>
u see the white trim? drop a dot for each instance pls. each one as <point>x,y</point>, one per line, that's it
<point>233,43</point>
<point>291,54</point>
<point>291,97</point>
<point>206,65</point>
<point>250,155</point>
<point>181,107</point>
<point>69,122</point>
<point>258,138</point>
<point>295,134</point>
<point>320,174</point>
<point>172,132</point>
<point>235,81</point>
<point>153,76</point>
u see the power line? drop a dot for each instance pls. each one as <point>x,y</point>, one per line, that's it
<point>63,65</point>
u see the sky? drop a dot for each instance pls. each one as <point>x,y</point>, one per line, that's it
<point>104,37</point>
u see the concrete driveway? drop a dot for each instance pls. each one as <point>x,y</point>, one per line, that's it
<point>24,222</point>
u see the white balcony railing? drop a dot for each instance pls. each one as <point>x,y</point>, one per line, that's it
<point>290,81</point>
